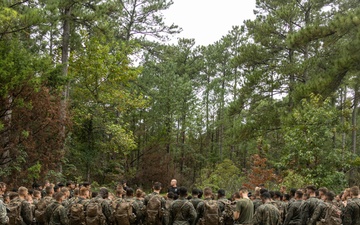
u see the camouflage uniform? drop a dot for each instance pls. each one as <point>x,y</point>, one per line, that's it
<point>35,201</point>
<point>140,216</point>
<point>106,208</point>
<point>162,199</point>
<point>43,203</point>
<point>73,201</point>
<point>227,211</point>
<point>319,213</point>
<point>352,212</point>
<point>25,212</point>
<point>342,208</point>
<point>147,198</point>
<point>134,204</point>
<point>257,202</point>
<point>201,209</point>
<point>55,214</point>
<point>222,202</point>
<point>308,209</point>
<point>291,200</point>
<point>80,200</point>
<point>4,219</point>
<point>32,208</point>
<point>166,215</point>
<point>293,215</point>
<point>195,201</point>
<point>182,212</point>
<point>282,207</point>
<point>66,203</point>
<point>266,214</point>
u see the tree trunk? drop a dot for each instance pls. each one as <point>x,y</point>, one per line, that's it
<point>354,121</point>
<point>65,65</point>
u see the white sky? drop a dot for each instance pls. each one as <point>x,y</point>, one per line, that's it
<point>208,20</point>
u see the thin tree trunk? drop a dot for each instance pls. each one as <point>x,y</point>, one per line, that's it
<point>354,116</point>
<point>65,65</point>
<point>343,96</point>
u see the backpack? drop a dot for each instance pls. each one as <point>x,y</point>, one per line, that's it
<point>153,210</point>
<point>228,212</point>
<point>179,219</point>
<point>94,214</point>
<point>166,214</point>
<point>140,213</point>
<point>123,212</point>
<point>211,213</point>
<point>14,212</point>
<point>281,207</point>
<point>76,213</point>
<point>332,215</point>
<point>41,208</point>
<point>54,208</point>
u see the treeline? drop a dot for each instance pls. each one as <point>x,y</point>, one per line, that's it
<point>90,90</point>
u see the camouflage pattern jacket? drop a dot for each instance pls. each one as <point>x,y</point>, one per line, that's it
<point>307,209</point>
<point>182,212</point>
<point>267,214</point>
<point>4,219</point>
<point>352,212</point>
<point>56,214</point>
<point>293,215</point>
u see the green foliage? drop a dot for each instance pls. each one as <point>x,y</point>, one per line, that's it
<point>294,180</point>
<point>310,148</point>
<point>120,141</point>
<point>335,181</point>
<point>14,166</point>
<point>34,171</point>
<point>55,176</point>
<point>101,75</point>
<point>225,176</point>
<point>283,86</point>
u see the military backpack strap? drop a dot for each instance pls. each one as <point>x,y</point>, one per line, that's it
<point>357,203</point>
<point>53,211</point>
<point>180,211</point>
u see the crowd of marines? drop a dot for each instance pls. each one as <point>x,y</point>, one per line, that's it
<point>304,206</point>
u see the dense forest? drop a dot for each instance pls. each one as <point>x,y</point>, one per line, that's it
<point>91,90</point>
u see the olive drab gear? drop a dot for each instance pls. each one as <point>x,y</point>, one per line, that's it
<point>4,219</point>
<point>281,206</point>
<point>77,213</point>
<point>41,208</point>
<point>228,213</point>
<point>140,213</point>
<point>332,215</point>
<point>123,212</point>
<point>51,221</point>
<point>94,214</point>
<point>153,210</point>
<point>14,212</point>
<point>211,213</point>
<point>166,214</point>
<point>179,218</point>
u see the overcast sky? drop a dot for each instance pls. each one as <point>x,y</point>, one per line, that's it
<point>208,20</point>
